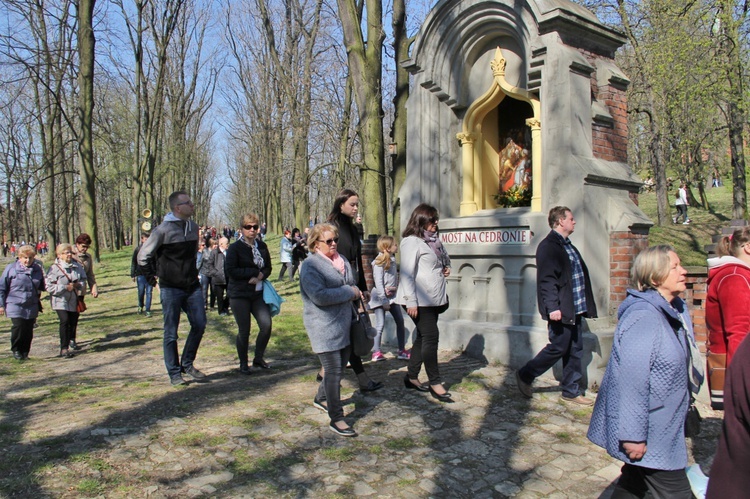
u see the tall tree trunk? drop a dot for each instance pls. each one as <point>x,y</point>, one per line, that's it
<point>86,42</point>
<point>365,58</point>
<point>398,129</point>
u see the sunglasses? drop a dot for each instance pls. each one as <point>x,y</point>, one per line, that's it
<point>251,227</point>
<point>329,241</point>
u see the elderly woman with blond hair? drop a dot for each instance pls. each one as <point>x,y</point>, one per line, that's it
<point>640,411</point>
<point>328,289</point>
<point>66,283</point>
<point>20,286</point>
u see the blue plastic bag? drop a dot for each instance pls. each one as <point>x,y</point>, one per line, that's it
<point>272,298</point>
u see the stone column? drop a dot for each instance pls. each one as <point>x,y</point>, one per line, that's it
<point>470,169</point>
<point>536,163</point>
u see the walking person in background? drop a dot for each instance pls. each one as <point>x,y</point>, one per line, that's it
<point>248,264</point>
<point>21,285</point>
<point>640,411</point>
<point>82,256</point>
<point>327,288</point>
<point>203,272</point>
<point>215,264</point>
<point>345,209</point>
<point>299,251</point>
<point>66,282</point>
<point>681,203</point>
<point>145,290</point>
<point>383,294</point>
<point>169,253</point>
<point>425,265</point>
<point>287,245</point>
<point>727,307</point>
<point>564,297</point>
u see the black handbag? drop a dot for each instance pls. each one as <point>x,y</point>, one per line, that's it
<point>362,333</point>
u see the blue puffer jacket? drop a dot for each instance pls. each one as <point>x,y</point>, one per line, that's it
<point>644,394</point>
<point>20,287</point>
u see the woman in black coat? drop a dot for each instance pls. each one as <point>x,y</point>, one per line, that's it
<point>247,265</point>
<point>345,209</point>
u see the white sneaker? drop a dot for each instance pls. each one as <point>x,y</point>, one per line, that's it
<point>686,222</point>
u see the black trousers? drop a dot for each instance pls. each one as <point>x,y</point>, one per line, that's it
<point>222,302</point>
<point>640,482</point>
<point>68,327</point>
<point>21,334</point>
<point>330,388</point>
<point>424,350</point>
<point>242,308</point>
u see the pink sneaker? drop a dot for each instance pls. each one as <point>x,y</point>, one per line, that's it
<point>404,355</point>
<point>377,356</point>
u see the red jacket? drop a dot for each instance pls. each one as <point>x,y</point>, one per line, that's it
<point>727,304</point>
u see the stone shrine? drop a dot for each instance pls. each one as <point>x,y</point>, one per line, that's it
<point>520,108</point>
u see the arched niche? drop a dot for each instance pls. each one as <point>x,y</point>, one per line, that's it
<point>481,144</point>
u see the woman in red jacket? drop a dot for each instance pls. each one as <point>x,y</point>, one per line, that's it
<point>727,307</point>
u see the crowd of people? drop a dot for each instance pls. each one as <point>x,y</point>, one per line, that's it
<point>647,393</point>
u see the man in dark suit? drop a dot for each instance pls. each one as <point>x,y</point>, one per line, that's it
<point>564,297</point>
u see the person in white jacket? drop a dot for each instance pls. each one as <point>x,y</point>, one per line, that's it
<point>425,264</point>
<point>382,296</point>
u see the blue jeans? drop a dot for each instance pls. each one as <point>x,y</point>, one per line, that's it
<point>144,290</point>
<point>566,343</point>
<point>173,301</point>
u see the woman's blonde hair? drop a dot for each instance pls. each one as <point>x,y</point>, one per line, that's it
<point>316,232</point>
<point>731,245</point>
<point>651,267</point>
<point>26,250</point>
<point>250,219</point>
<point>384,258</point>
<point>62,247</point>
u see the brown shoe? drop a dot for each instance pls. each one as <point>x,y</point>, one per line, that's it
<point>579,400</point>
<point>523,387</point>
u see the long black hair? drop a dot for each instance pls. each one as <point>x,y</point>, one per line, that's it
<point>341,198</point>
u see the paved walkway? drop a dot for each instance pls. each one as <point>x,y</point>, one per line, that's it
<point>260,436</point>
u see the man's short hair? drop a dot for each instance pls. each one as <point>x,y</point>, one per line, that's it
<point>556,214</point>
<point>173,198</point>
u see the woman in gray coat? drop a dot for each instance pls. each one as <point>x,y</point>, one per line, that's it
<point>328,289</point>
<point>66,281</point>
<point>424,267</point>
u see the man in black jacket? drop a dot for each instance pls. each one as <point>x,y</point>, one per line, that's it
<point>169,254</point>
<point>564,296</point>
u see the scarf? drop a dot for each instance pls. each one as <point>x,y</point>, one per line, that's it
<point>433,241</point>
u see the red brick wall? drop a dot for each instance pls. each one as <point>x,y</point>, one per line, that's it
<point>609,141</point>
<point>623,247</point>
<point>695,297</point>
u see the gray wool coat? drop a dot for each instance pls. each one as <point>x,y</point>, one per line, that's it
<point>327,303</point>
<point>58,277</point>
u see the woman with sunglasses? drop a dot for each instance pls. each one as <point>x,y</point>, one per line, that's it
<point>328,288</point>
<point>422,291</point>
<point>247,265</point>
<point>345,209</point>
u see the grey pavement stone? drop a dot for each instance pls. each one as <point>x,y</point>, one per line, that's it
<point>200,481</point>
<point>362,489</point>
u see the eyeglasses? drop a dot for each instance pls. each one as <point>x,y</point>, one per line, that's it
<point>84,246</point>
<point>329,241</point>
<point>433,220</point>
<point>251,227</point>
<point>185,202</point>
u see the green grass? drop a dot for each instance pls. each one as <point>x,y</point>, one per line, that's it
<point>404,443</point>
<point>689,241</point>
<point>337,453</point>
